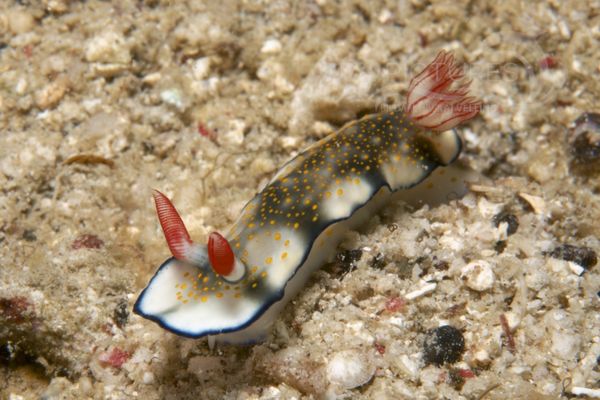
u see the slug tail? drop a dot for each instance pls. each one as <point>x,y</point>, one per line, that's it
<point>438,97</point>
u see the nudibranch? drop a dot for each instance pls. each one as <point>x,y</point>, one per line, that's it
<point>232,289</point>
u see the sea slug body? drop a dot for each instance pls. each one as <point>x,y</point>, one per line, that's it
<point>233,288</point>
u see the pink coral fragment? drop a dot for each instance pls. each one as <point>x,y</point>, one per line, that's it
<point>395,304</point>
<point>438,98</point>
<point>87,241</point>
<point>115,358</point>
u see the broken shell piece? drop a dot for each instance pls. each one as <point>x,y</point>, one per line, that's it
<point>478,275</point>
<point>537,203</point>
<point>428,288</point>
<point>349,369</point>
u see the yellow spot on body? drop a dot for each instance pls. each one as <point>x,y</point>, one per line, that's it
<point>272,222</point>
<point>263,274</point>
<point>268,260</point>
<point>286,243</point>
<point>314,207</point>
<point>327,195</point>
<point>206,279</point>
<point>340,192</point>
<point>186,274</point>
<point>277,236</point>
<point>254,285</point>
<point>184,286</point>
<point>254,269</point>
<point>190,293</point>
<point>204,299</point>
<point>237,295</point>
<point>296,225</point>
<point>219,295</point>
<point>284,255</point>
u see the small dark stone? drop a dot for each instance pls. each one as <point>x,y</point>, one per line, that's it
<point>378,262</point>
<point>8,353</point>
<point>349,258</point>
<point>511,220</point>
<point>121,314</point>
<point>583,256</point>
<point>584,141</point>
<point>563,301</point>
<point>441,265</point>
<point>500,246</point>
<point>443,345</point>
<point>148,148</point>
<point>29,235</point>
<point>456,379</point>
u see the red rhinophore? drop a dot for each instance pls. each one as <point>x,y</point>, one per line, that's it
<point>172,225</point>
<point>431,101</point>
<point>220,255</point>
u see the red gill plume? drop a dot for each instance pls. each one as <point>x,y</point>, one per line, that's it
<point>438,98</point>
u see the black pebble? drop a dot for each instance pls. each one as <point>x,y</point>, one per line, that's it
<point>378,262</point>
<point>585,144</point>
<point>443,345</point>
<point>29,235</point>
<point>349,258</point>
<point>583,256</point>
<point>510,219</point>
<point>500,246</point>
<point>8,353</point>
<point>121,314</point>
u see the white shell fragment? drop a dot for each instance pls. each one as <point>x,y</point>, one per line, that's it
<point>583,391</point>
<point>478,275</point>
<point>428,288</point>
<point>537,203</point>
<point>271,46</point>
<point>349,369</point>
<point>576,268</point>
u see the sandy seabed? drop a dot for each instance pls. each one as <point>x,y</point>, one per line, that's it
<point>102,101</point>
